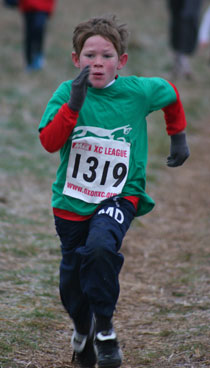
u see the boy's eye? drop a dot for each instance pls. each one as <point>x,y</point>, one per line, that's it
<point>91,55</point>
<point>107,56</point>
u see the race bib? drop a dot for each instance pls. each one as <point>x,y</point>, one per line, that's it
<point>97,169</point>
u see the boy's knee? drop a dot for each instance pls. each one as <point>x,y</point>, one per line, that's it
<point>101,242</point>
<point>99,250</point>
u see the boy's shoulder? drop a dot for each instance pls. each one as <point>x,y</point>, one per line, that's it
<point>63,89</point>
<point>141,83</point>
<point>65,85</point>
<point>148,84</point>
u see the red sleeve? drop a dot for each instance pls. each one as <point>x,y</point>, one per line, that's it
<point>174,115</point>
<point>56,133</point>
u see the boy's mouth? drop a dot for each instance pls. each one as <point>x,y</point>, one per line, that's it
<point>97,74</point>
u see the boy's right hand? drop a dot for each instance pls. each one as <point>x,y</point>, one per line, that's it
<point>79,89</point>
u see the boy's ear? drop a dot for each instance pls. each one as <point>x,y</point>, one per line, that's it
<point>122,61</point>
<point>75,59</point>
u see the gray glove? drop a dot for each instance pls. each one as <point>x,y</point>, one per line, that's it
<point>179,150</point>
<point>79,89</point>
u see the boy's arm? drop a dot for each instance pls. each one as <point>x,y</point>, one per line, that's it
<point>56,133</point>
<point>174,115</point>
<point>175,125</point>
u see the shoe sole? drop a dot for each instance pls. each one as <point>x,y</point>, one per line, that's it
<point>110,365</point>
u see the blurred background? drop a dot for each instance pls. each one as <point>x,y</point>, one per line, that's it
<point>34,329</point>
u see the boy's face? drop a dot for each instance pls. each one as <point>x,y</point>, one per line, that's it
<point>103,59</point>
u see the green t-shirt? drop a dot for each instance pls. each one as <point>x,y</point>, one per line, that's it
<point>106,153</point>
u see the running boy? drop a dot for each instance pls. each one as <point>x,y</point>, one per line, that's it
<point>98,122</point>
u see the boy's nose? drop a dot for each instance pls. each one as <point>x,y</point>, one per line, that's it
<point>98,61</point>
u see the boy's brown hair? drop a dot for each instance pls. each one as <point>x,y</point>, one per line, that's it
<point>106,27</point>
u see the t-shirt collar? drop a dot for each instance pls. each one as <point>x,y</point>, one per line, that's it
<point>110,83</point>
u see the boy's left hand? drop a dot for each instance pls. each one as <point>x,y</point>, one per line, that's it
<point>179,150</point>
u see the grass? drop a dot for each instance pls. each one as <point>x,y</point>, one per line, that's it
<point>33,326</point>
